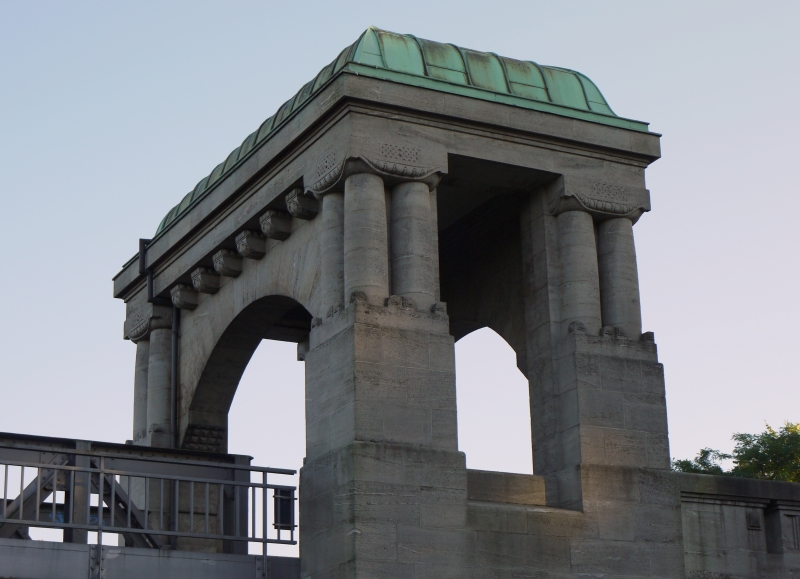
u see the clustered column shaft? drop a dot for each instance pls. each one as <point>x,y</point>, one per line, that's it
<point>580,285</point>
<point>619,278</point>
<point>158,387</point>
<point>412,251</point>
<point>599,277</point>
<point>331,244</point>
<point>366,265</point>
<point>140,390</point>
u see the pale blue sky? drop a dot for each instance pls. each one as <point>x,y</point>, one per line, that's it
<point>110,112</point>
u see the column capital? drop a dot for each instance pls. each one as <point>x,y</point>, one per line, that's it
<point>392,163</point>
<point>600,199</point>
<point>143,319</point>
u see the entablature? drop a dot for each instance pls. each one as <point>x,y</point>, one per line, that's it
<point>400,132</point>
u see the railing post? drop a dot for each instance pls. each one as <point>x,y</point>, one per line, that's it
<point>78,496</point>
<point>237,509</point>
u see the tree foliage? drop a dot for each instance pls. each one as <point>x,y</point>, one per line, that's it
<point>769,455</point>
<point>704,463</point>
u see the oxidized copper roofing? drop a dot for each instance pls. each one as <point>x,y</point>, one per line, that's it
<point>405,59</point>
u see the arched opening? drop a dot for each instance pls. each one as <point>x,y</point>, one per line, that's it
<point>252,390</point>
<point>494,419</point>
<point>269,318</point>
<point>267,417</point>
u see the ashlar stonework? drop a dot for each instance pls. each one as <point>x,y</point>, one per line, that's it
<point>414,192</point>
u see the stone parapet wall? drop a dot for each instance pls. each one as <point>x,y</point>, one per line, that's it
<point>736,528</point>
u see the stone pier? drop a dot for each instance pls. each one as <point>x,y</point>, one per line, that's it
<point>411,193</point>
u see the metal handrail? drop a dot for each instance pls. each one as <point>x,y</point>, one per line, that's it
<point>135,502</point>
<point>126,456</point>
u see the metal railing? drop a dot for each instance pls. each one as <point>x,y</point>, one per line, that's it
<point>176,500</point>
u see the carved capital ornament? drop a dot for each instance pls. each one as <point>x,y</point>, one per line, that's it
<point>394,164</point>
<point>145,318</point>
<point>602,200</point>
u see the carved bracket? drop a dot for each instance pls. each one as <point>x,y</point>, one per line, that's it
<point>227,263</point>
<point>251,244</point>
<point>184,297</point>
<point>300,205</point>
<point>205,280</point>
<point>602,200</point>
<point>276,224</point>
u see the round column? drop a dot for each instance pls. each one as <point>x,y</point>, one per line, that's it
<point>332,249</point>
<point>140,390</point>
<point>412,264</point>
<point>619,276</point>
<point>580,286</point>
<point>158,387</point>
<point>366,260</point>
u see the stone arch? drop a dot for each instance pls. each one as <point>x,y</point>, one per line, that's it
<point>481,274</point>
<point>272,317</point>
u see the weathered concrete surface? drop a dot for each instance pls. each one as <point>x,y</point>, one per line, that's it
<point>380,225</point>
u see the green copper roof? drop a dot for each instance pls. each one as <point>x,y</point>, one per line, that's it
<point>406,59</point>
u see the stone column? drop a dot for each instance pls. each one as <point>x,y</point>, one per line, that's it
<point>332,250</point>
<point>619,278</point>
<point>140,390</point>
<point>412,265</point>
<point>158,386</point>
<point>580,286</point>
<point>435,242</point>
<point>366,264</point>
